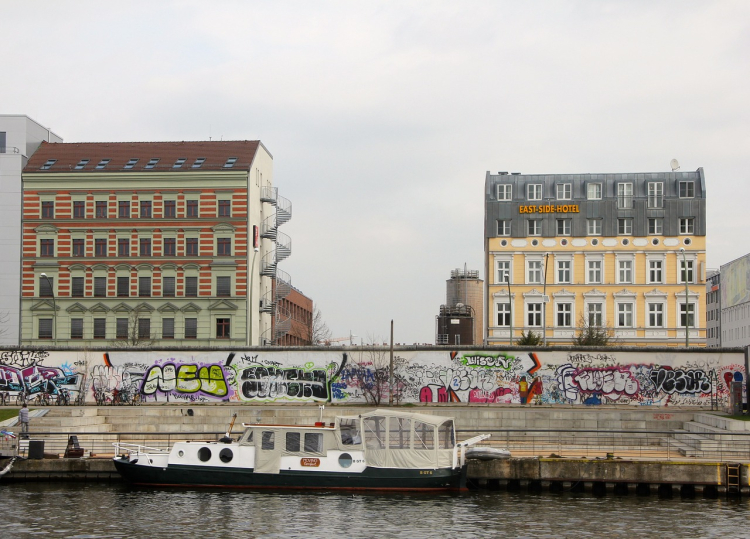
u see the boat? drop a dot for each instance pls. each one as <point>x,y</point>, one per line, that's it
<point>487,453</point>
<point>378,450</point>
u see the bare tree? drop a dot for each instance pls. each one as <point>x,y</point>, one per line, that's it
<point>139,333</point>
<point>373,375</point>
<point>319,332</point>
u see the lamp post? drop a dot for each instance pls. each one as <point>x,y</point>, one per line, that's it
<point>54,308</point>
<point>687,305</point>
<point>510,309</point>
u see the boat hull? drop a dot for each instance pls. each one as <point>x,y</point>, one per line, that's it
<point>370,479</point>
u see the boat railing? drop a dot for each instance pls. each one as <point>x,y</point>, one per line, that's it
<point>136,449</point>
<point>459,450</point>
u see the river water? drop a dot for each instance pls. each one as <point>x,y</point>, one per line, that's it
<point>115,510</point>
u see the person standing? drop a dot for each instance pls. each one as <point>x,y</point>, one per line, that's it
<point>23,418</point>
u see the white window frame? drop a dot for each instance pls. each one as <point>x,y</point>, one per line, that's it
<point>502,310</point>
<point>624,226</point>
<point>600,271</point>
<point>624,195</point>
<point>656,194</point>
<point>504,191</point>
<point>626,309</point>
<point>692,306</point>
<point>687,225</point>
<point>534,191</point>
<point>564,309</point>
<point>597,194</point>
<point>691,189</point>
<point>535,314</point>
<point>536,225</point>
<point>598,313</point>
<point>567,225</point>
<point>658,226</point>
<point>531,272</point>
<point>651,312</point>
<point>652,271</point>
<point>563,274</point>
<point>681,268</point>
<point>564,191</point>
<point>625,271</point>
<point>503,267</point>
<point>597,227</point>
<point>503,227</point>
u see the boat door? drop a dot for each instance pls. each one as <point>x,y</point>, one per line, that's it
<point>268,448</point>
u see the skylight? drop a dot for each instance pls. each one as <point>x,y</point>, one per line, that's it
<point>131,163</point>
<point>152,162</point>
<point>180,161</point>
<point>82,163</point>
<point>48,164</point>
<point>198,162</point>
<point>230,162</point>
<point>103,163</point>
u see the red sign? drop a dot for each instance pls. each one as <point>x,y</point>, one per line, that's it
<point>256,242</point>
<point>312,463</point>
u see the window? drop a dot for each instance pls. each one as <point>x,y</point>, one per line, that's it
<point>534,314</point>
<point>76,328</point>
<point>314,441</point>
<point>123,209</point>
<point>655,226</point>
<point>503,314</point>
<point>123,287</point>
<point>167,328</point>
<point>144,287</point>
<point>191,287</point>
<point>222,328</point>
<point>503,271</point>
<point>563,227</point>
<point>102,164</point>
<point>504,191</point>
<point>656,315</point>
<point>151,163</point>
<point>224,208</point>
<point>198,162</point>
<point>144,328</point>
<point>100,328</point>
<point>224,246</point>
<point>563,271</point>
<point>655,268</point>
<point>625,226</point>
<point>191,246</point>
<point>168,287</point>
<point>564,191</point>
<point>47,247</point>
<point>100,287</point>
<point>48,209</point>
<point>46,286</point>
<point>503,227</point>
<point>169,246</point>
<point>686,274</point>
<point>46,166</point>
<point>534,191</point>
<point>131,163</point>
<point>230,162</point>
<point>180,161</point>
<point>564,314</point>
<point>686,225</point>
<point>594,271</point>
<point>101,209</point>
<point>100,247</point>
<point>625,315</point>
<point>624,195</point>
<point>625,271</point>
<point>534,273</point>
<point>145,209</point>
<point>121,328</point>
<point>76,287</point>
<point>145,246</point>
<point>45,328</point>
<point>656,195</point>
<point>594,314</point>
<point>534,227</point>
<point>223,286</point>
<point>192,208</point>
<point>687,315</point>
<point>123,247</point>
<point>191,328</point>
<point>79,209</point>
<point>81,164</point>
<point>687,190</point>
<point>594,191</point>
<point>170,208</point>
<point>293,442</point>
<point>594,227</point>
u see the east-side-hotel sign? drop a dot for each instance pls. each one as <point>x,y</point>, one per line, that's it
<point>550,208</point>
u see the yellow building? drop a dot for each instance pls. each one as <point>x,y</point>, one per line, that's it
<point>622,252</point>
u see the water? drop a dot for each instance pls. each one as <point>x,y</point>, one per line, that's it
<point>102,510</point>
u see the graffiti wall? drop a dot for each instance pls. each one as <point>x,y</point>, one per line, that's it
<point>333,375</point>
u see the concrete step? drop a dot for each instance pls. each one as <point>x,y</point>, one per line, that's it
<point>717,433</point>
<point>722,422</point>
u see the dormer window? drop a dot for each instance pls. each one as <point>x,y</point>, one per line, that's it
<point>198,162</point>
<point>180,161</point>
<point>48,164</point>
<point>230,162</point>
<point>102,164</point>
<point>81,164</point>
<point>131,163</point>
<point>152,163</point>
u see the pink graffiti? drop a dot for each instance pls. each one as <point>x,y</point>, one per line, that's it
<point>480,395</point>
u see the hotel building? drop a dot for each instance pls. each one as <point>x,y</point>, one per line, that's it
<point>618,251</point>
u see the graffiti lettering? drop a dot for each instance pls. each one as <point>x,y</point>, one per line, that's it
<point>23,358</point>
<point>187,378</point>
<point>265,382</point>
<point>671,381</point>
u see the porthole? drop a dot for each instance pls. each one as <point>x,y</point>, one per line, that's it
<point>204,454</point>
<point>687,241</point>
<point>626,241</point>
<point>504,243</point>
<point>655,241</point>
<point>345,460</point>
<point>226,455</point>
<point>594,242</point>
<point>563,242</point>
<point>535,242</point>
<point>180,453</point>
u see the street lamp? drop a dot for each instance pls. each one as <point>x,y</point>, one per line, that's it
<point>687,305</point>
<point>54,307</point>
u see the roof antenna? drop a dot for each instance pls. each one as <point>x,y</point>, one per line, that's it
<point>675,165</point>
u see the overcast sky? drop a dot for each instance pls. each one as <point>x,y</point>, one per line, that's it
<point>383,117</point>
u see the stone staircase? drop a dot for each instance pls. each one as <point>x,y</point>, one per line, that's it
<point>712,436</point>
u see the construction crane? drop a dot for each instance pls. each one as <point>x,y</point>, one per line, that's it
<point>327,342</point>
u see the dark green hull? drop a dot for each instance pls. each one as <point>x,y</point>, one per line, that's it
<point>370,479</point>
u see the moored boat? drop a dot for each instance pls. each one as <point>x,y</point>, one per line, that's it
<point>378,450</point>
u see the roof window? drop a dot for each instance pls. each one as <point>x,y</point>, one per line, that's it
<point>180,161</point>
<point>48,164</point>
<point>198,162</point>
<point>152,162</point>
<point>230,162</point>
<point>103,164</point>
<point>131,163</point>
<point>81,164</point>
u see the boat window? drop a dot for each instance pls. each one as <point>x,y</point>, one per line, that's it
<point>313,442</point>
<point>446,435</point>
<point>204,454</point>
<point>267,440</point>
<point>247,437</point>
<point>399,433</point>
<point>226,455</point>
<point>424,436</point>
<point>374,432</point>
<point>350,432</point>
<point>292,441</point>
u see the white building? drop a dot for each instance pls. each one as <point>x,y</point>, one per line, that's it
<point>735,303</point>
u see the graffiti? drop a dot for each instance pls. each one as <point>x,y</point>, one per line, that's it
<point>501,361</point>
<point>23,358</point>
<point>609,381</point>
<point>591,359</point>
<point>271,383</point>
<point>185,378</point>
<point>670,380</point>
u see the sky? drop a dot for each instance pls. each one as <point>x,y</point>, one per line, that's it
<point>384,117</point>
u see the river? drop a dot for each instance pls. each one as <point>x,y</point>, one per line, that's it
<point>114,510</point>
